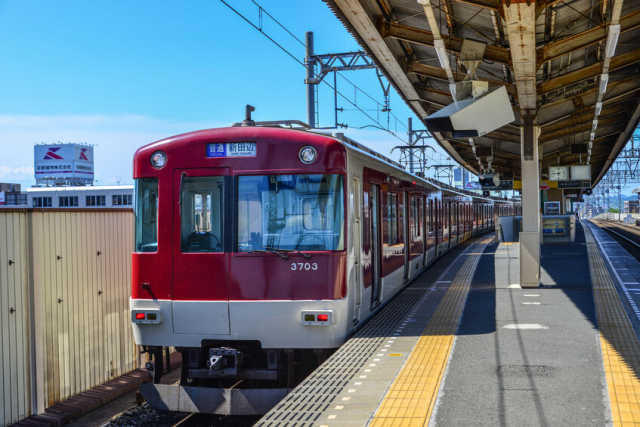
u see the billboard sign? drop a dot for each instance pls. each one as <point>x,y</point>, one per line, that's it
<point>69,162</point>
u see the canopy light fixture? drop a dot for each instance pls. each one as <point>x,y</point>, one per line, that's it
<point>604,79</point>
<point>612,39</point>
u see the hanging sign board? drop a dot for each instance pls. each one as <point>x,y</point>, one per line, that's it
<point>575,184</point>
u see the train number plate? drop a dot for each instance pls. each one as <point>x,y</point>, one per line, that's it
<point>231,149</point>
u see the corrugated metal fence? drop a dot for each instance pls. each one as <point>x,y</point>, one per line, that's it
<point>64,305</point>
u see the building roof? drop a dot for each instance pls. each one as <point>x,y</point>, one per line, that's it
<point>81,188</point>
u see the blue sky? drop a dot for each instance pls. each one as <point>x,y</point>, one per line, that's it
<point>121,74</point>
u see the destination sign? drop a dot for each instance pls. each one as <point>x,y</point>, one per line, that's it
<point>504,185</point>
<point>231,149</point>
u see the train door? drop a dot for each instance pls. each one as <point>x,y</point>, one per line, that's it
<point>447,224</point>
<point>407,234</point>
<point>201,247</point>
<point>439,227</point>
<point>375,244</point>
<point>356,229</point>
<point>424,228</point>
<point>431,235</point>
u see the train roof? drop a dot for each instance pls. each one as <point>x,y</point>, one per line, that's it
<point>340,136</point>
<point>301,128</point>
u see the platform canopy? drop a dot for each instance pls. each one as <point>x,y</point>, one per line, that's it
<point>572,64</point>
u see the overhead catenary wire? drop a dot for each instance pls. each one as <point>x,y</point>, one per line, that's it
<point>379,125</point>
<point>304,65</point>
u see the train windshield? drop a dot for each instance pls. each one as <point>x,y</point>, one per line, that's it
<point>294,212</point>
<point>146,213</point>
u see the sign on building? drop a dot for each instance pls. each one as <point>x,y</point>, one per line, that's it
<point>63,164</point>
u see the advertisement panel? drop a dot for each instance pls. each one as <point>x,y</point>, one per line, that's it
<point>63,162</point>
<point>83,162</point>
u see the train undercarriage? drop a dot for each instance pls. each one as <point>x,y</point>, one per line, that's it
<point>229,377</point>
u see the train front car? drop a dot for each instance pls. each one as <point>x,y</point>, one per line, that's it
<point>239,256</point>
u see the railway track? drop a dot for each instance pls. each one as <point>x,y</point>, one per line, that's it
<point>209,420</point>
<point>627,236</point>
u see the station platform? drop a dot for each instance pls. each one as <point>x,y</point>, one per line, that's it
<point>466,345</point>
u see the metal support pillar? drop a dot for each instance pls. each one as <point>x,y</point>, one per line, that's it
<point>310,62</point>
<point>530,234</point>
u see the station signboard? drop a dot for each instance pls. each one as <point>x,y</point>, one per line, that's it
<point>575,184</point>
<point>505,185</point>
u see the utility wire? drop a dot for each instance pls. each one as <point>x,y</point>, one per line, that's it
<point>302,63</point>
<point>380,126</point>
<point>278,22</point>
<point>373,99</point>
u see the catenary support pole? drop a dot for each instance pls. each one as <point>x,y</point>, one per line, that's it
<point>310,63</point>
<point>410,133</point>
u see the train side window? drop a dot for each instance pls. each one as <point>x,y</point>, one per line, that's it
<point>146,215</point>
<point>202,204</point>
<point>415,217</point>
<point>431,217</point>
<point>392,218</point>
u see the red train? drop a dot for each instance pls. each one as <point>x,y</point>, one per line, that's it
<point>260,247</point>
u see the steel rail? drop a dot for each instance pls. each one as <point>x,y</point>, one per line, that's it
<point>624,237</point>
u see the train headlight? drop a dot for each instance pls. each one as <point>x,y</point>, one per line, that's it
<point>158,159</point>
<point>307,154</point>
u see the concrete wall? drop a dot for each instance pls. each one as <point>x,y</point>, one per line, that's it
<point>69,286</point>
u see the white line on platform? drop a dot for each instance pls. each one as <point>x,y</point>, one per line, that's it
<point>531,295</point>
<point>525,326</point>
<point>530,303</point>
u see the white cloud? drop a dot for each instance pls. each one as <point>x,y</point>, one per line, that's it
<point>116,139</point>
<point>16,173</point>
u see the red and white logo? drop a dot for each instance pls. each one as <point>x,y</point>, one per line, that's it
<point>83,156</point>
<point>51,154</point>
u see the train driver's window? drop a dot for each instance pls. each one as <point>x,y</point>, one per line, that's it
<point>290,212</point>
<point>202,203</point>
<point>146,215</point>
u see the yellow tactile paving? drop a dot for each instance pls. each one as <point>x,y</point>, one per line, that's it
<point>410,399</point>
<point>619,343</point>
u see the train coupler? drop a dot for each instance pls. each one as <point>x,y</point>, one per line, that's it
<point>224,360</point>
